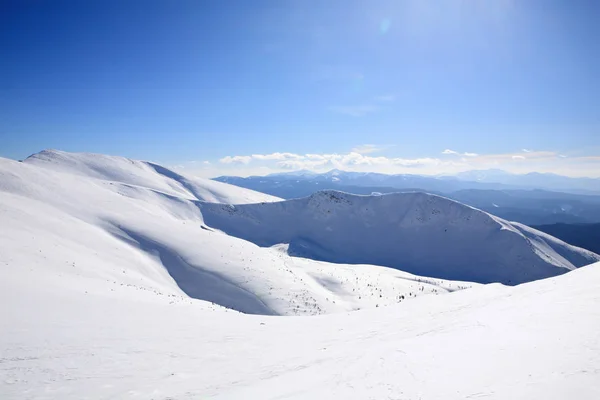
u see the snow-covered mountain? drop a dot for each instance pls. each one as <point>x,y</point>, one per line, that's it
<point>100,224</point>
<point>415,232</point>
<point>528,206</point>
<point>481,175</point>
<point>116,286</point>
<point>143,174</point>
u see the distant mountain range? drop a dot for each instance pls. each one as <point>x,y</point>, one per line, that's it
<point>525,203</point>
<point>533,180</point>
<point>479,179</point>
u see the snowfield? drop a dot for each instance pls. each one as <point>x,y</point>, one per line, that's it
<point>121,279</point>
<point>534,341</point>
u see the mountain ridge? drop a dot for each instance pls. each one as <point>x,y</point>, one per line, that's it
<point>142,173</point>
<point>370,231</point>
<point>126,227</point>
<point>419,233</point>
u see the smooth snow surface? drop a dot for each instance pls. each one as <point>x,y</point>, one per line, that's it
<point>144,174</point>
<point>535,341</point>
<point>416,232</point>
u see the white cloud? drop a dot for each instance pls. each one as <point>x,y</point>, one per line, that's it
<point>316,156</point>
<point>236,160</point>
<point>448,151</point>
<point>276,156</point>
<point>260,157</point>
<point>355,111</point>
<point>526,151</point>
<point>362,160</point>
<point>456,153</point>
<point>303,164</point>
<point>369,148</point>
<point>417,162</point>
<point>353,159</point>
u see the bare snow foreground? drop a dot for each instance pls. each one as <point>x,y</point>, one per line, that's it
<point>535,341</point>
<point>115,286</point>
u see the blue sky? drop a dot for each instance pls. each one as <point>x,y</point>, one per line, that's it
<point>417,86</point>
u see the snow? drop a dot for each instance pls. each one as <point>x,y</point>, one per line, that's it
<point>144,174</point>
<point>115,286</point>
<point>114,237</point>
<point>537,340</point>
<point>399,230</point>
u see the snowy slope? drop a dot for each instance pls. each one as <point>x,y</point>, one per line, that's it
<point>415,232</point>
<point>144,174</point>
<point>93,235</point>
<point>534,341</point>
<point>113,285</point>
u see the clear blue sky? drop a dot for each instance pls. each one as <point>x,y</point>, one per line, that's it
<point>175,81</point>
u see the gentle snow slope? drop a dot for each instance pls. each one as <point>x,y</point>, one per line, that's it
<point>535,341</point>
<point>145,174</point>
<point>106,237</point>
<point>415,232</point>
